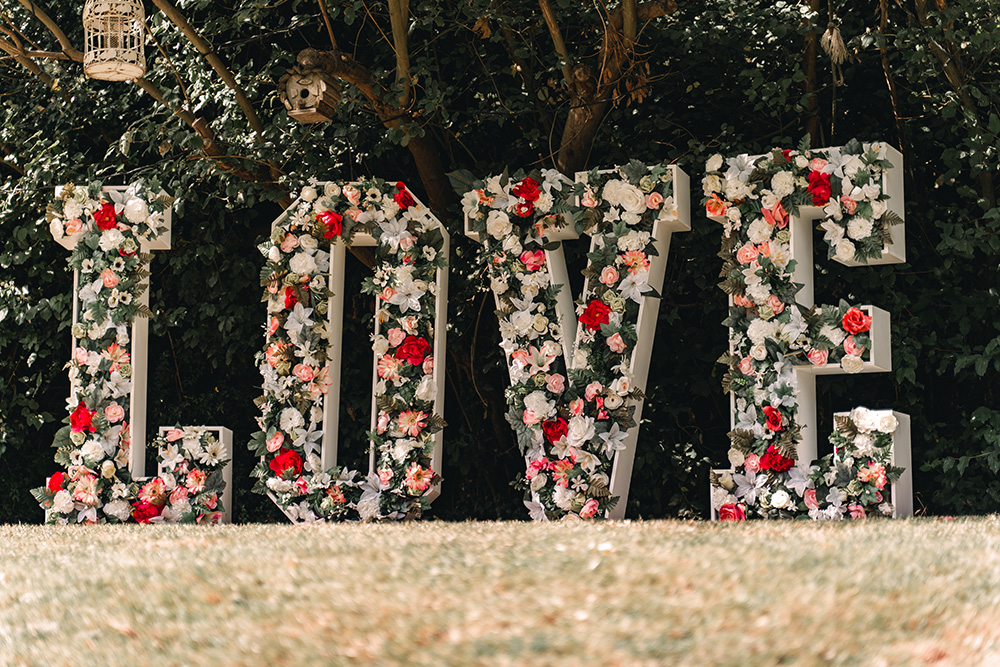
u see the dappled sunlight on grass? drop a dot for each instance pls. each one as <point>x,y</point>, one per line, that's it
<point>663,592</point>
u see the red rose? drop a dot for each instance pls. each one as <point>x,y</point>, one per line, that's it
<point>595,315</point>
<point>80,419</point>
<point>524,208</point>
<point>819,186</point>
<point>332,221</point>
<point>291,298</point>
<point>855,321</point>
<point>287,461</point>
<point>787,154</point>
<point>105,217</point>
<point>732,512</point>
<point>773,416</point>
<point>142,512</point>
<point>527,189</point>
<point>555,429</point>
<point>772,460</point>
<point>412,350</point>
<point>56,482</point>
<point>403,197</point>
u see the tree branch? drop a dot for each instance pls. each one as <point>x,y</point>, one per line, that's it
<point>205,49</point>
<point>557,40</point>
<point>67,46</point>
<point>399,17</point>
<point>20,56</point>
<point>630,20</point>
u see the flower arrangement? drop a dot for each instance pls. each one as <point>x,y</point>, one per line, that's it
<point>190,484</point>
<point>293,361</point>
<point>849,482</point>
<point>570,416</point>
<point>769,332</point>
<point>109,229</point>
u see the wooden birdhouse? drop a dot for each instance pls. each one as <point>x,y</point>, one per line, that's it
<point>311,96</point>
<point>113,33</point>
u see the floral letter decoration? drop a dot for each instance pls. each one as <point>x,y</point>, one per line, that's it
<point>779,340</point>
<point>108,231</point>
<point>576,373</point>
<point>300,360</point>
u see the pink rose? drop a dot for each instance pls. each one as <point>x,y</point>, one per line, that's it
<point>273,326</point>
<point>385,476</point>
<point>74,226</point>
<point>852,348</point>
<point>109,278</point>
<point>746,254</point>
<point>521,356</point>
<point>114,413</point>
<point>555,383</point>
<point>175,434</point>
<point>410,323</point>
<point>589,508</point>
<point>588,199</point>
<point>576,407</point>
<point>817,357</point>
<point>178,494</point>
<point>290,243</point>
<point>530,418</point>
<point>857,511</point>
<point>533,259</point>
<point>275,441</point>
<point>352,193</point>
<point>609,275</point>
<point>817,164</point>
<point>81,356</point>
<point>777,305</point>
<point>395,336</point>
<point>732,512</point>
<point>304,373</point>
<point>746,366</point>
<point>850,206</point>
<point>428,366</point>
<point>810,499</point>
<point>592,390</point>
<point>387,293</point>
<point>654,200</point>
<point>752,463</point>
<point>776,216</point>
<point>616,343</point>
<point>383,422</point>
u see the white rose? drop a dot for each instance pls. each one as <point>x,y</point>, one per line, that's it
<point>274,254</point>
<point>758,352</point>
<point>632,199</point>
<point>736,457</point>
<point>714,163</point>
<point>879,209</point>
<point>56,229</point>
<point>136,210</point>
<point>621,386</point>
<point>711,184</point>
<point>512,245</point>
<point>538,403</point>
<point>852,364</point>
<point>726,481</point>
<point>779,499</point>
<point>871,191</point>
<point>92,450</point>
<point>887,423</point>
<point>734,214</point>
<point>613,402</point>
<point>63,502</point>
<point>499,285</point>
<point>859,228</point>
<point>380,345</point>
<point>844,250</point>
<point>308,242</point>
<point>801,161</point>
<point>498,225</point>
<point>580,431</point>
<point>427,389</point>
<point>302,263</point>
<point>331,190</point>
<point>108,469</point>
<point>309,193</point>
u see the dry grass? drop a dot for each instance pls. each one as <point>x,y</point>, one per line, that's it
<point>879,593</point>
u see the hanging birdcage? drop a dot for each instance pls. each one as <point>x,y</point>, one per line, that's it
<point>113,31</point>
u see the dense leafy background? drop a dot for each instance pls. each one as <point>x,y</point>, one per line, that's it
<point>723,76</point>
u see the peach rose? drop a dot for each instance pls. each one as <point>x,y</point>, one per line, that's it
<point>746,366</point>
<point>73,226</point>
<point>850,206</point>
<point>654,200</point>
<point>852,348</point>
<point>576,407</point>
<point>109,278</point>
<point>609,275</point>
<point>616,343</point>
<point>590,507</point>
<point>555,383</point>
<point>817,164</point>
<point>588,199</point>
<point>810,499</point>
<point>817,357</point>
<point>304,373</point>
<point>290,243</point>
<point>752,463</point>
<point>746,254</point>
<point>777,305</point>
<point>114,413</point>
<point>275,441</point>
<point>174,435</point>
<point>592,390</point>
<point>395,336</point>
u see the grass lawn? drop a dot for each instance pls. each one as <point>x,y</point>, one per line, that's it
<point>674,593</point>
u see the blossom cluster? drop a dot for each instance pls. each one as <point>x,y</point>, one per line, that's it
<point>188,488</point>
<point>294,367</point>
<point>570,415</point>
<point>109,228</point>
<point>849,482</point>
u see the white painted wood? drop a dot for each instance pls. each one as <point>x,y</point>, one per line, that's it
<point>225,436</point>
<point>621,473</point>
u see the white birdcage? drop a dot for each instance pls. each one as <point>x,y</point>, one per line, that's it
<point>113,37</point>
